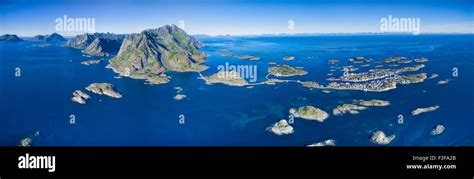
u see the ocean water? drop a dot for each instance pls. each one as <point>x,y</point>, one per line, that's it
<point>220,115</point>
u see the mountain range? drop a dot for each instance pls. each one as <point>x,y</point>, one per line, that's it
<point>49,38</point>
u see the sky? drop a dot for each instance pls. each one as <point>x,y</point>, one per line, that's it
<point>235,17</point>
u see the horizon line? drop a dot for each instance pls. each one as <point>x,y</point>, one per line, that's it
<point>278,34</point>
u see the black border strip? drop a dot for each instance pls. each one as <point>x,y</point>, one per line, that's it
<point>281,161</point>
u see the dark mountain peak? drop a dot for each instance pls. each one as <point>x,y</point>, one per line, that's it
<point>55,37</point>
<point>10,37</point>
<point>97,44</point>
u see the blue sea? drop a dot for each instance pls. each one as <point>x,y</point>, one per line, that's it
<point>220,115</point>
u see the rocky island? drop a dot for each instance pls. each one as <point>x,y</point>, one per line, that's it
<point>380,138</point>
<point>80,97</point>
<point>438,130</point>
<point>421,60</point>
<point>329,142</point>
<point>230,78</point>
<point>373,102</point>
<point>288,58</point>
<point>285,71</point>
<point>281,128</point>
<point>309,113</point>
<point>155,51</point>
<point>26,142</point>
<point>103,89</point>
<point>179,97</point>
<point>90,62</point>
<point>434,75</point>
<point>248,57</point>
<point>442,82</point>
<point>347,108</point>
<point>418,111</point>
